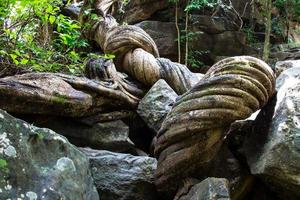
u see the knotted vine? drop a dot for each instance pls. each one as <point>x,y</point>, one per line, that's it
<point>192,133</point>
<point>135,51</point>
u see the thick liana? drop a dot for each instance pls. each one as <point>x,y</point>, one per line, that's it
<point>192,132</point>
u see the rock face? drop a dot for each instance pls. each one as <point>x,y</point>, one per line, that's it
<point>138,10</point>
<point>209,189</point>
<point>213,25</point>
<point>37,163</point>
<point>113,136</point>
<point>156,104</point>
<point>122,176</point>
<point>164,35</point>
<point>273,151</point>
<point>212,37</point>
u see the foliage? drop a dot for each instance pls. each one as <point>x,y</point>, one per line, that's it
<point>3,163</point>
<point>194,58</point>
<point>194,55</point>
<point>277,26</point>
<point>186,36</point>
<point>190,6</point>
<point>35,35</point>
<point>199,4</point>
<point>250,35</point>
<point>289,8</point>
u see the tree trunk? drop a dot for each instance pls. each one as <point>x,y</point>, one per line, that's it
<point>266,51</point>
<point>186,37</point>
<point>178,32</point>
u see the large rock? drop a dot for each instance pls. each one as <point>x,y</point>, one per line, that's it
<point>164,34</point>
<point>289,76</point>
<point>156,104</point>
<point>139,10</point>
<point>212,25</point>
<point>209,189</point>
<point>122,176</point>
<point>272,150</point>
<point>37,163</point>
<point>283,65</point>
<point>112,136</point>
<point>212,37</point>
<point>229,43</point>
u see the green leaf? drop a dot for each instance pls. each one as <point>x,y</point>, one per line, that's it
<point>13,56</point>
<point>24,61</point>
<point>3,163</point>
<point>109,56</point>
<point>17,52</point>
<point>2,52</point>
<point>40,135</point>
<point>52,19</point>
<point>73,71</point>
<point>94,16</point>
<point>49,8</point>
<point>37,67</point>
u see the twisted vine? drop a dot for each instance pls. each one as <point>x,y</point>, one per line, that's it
<point>102,69</point>
<point>135,51</point>
<point>191,134</point>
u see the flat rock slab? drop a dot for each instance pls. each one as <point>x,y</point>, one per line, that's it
<point>61,95</point>
<point>122,176</point>
<point>37,163</point>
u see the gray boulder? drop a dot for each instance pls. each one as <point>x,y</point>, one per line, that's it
<point>37,163</point>
<point>122,176</point>
<point>284,65</point>
<point>273,149</point>
<point>156,104</point>
<point>288,77</point>
<point>209,189</point>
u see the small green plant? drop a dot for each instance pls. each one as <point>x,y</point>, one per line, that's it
<point>250,35</point>
<point>4,170</point>
<point>194,58</point>
<point>40,136</point>
<point>3,163</point>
